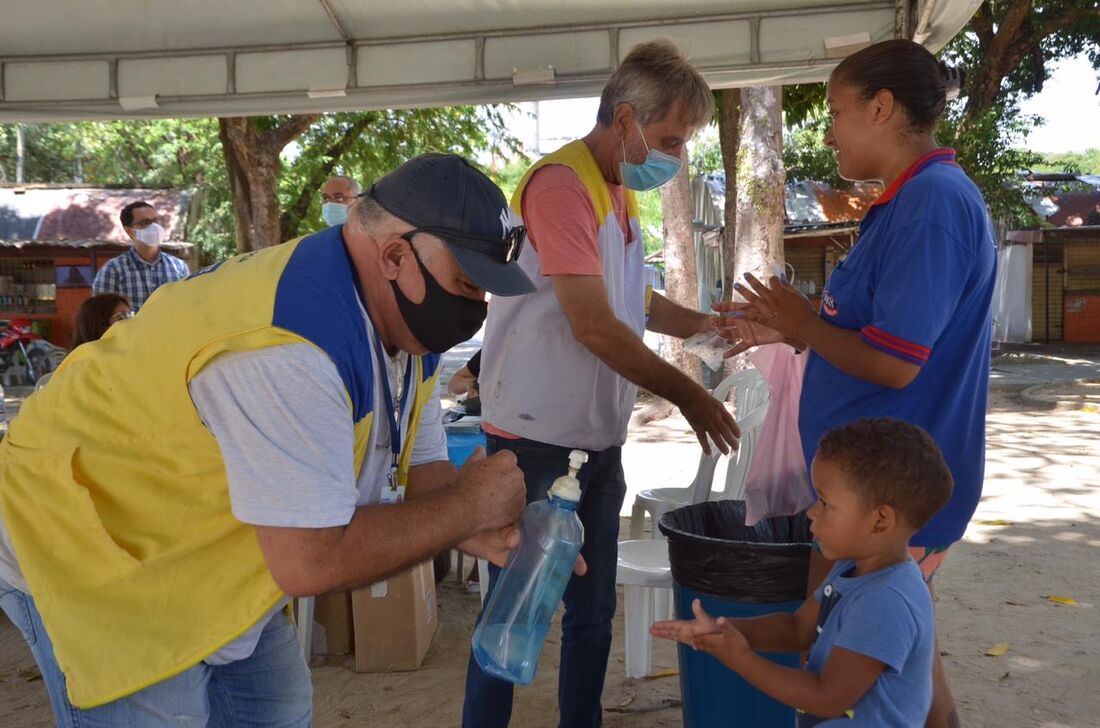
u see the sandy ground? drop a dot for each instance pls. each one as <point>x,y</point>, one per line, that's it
<point>1036,535</point>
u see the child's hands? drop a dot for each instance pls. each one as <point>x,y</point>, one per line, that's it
<point>686,630</point>
<point>728,645</point>
<point>717,637</point>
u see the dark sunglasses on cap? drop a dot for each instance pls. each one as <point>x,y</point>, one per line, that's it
<point>506,249</point>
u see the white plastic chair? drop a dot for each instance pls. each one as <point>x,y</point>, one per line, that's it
<point>643,567</point>
<point>752,406</point>
<point>647,596</point>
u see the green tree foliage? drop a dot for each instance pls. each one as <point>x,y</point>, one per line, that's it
<point>990,149</point>
<point>1009,45</point>
<point>366,145</point>
<point>177,153</point>
<point>1006,51</point>
<point>186,153</point>
<point>806,157</point>
<point>1085,162</point>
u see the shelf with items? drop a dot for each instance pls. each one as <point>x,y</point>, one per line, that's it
<point>28,287</point>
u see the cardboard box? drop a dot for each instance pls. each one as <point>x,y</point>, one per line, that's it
<point>332,619</point>
<point>395,621</point>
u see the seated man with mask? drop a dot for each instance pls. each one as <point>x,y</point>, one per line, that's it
<point>246,440</point>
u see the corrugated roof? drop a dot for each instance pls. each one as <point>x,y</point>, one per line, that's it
<point>180,249</point>
<point>50,212</point>
<point>809,204</point>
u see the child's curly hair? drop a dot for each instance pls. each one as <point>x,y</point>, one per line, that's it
<point>891,462</point>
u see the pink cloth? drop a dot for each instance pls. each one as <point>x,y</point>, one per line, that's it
<point>778,483</point>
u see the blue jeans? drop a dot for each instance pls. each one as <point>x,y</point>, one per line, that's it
<point>589,599</point>
<point>270,688</point>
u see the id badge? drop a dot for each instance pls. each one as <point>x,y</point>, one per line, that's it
<point>393,495</point>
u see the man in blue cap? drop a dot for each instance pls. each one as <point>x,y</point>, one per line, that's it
<point>268,428</point>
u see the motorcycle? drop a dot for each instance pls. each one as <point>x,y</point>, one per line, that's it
<point>17,341</point>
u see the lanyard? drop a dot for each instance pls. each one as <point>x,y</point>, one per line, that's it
<point>391,404</point>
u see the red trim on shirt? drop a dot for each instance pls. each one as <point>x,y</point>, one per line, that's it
<point>901,347</point>
<point>943,154</point>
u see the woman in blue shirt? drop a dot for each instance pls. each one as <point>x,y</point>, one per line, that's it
<point>904,325</point>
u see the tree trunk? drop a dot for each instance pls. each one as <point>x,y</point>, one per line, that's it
<point>729,135</point>
<point>681,276</point>
<point>1003,46</point>
<point>761,198</point>
<point>20,154</point>
<point>252,159</point>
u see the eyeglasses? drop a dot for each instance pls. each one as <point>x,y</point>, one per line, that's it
<point>142,224</point>
<point>121,316</point>
<point>339,198</point>
<point>506,249</point>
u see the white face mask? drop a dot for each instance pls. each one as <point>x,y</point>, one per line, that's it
<point>151,235</point>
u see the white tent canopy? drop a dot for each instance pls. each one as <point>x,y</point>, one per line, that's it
<point>76,59</point>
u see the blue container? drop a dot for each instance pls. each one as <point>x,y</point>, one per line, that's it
<point>735,571</point>
<point>461,444</point>
<point>716,697</point>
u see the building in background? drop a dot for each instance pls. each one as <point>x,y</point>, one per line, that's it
<point>53,239</point>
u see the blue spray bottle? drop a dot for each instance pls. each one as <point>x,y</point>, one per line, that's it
<point>513,627</point>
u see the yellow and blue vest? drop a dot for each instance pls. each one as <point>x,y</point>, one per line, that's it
<point>529,341</point>
<point>114,493</point>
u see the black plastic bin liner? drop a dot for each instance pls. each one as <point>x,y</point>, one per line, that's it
<point>713,552</point>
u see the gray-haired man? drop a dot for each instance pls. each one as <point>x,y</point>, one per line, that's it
<point>561,366</point>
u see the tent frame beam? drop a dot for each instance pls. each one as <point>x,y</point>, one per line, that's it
<point>436,37</point>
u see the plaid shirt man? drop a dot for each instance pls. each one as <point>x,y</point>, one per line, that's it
<point>132,276</point>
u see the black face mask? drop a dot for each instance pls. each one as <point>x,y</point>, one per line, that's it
<point>442,319</point>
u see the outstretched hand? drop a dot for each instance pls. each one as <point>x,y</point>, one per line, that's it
<point>686,630</point>
<point>718,637</point>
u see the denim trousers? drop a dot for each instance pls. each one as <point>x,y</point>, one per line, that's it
<point>589,599</point>
<point>270,688</point>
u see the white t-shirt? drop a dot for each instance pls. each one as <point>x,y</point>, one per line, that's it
<point>280,416</point>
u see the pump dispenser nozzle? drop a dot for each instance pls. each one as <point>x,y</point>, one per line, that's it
<point>567,486</point>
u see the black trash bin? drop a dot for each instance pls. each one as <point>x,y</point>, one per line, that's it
<point>735,571</point>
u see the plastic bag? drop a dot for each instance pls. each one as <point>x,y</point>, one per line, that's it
<point>712,551</point>
<point>777,483</point>
<point>709,347</point>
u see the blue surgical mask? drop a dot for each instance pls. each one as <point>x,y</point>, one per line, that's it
<point>334,213</point>
<point>657,169</point>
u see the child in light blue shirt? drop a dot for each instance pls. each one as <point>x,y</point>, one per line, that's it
<point>869,627</point>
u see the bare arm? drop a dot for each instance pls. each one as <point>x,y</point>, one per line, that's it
<point>462,381</point>
<point>782,308</point>
<point>382,540</point>
<point>666,317</point>
<point>847,676</point>
<point>779,632</point>
<point>847,351</point>
<point>429,477</point>
<point>842,682</point>
<point>583,299</point>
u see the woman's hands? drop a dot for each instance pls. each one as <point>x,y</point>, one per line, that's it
<point>772,313</point>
